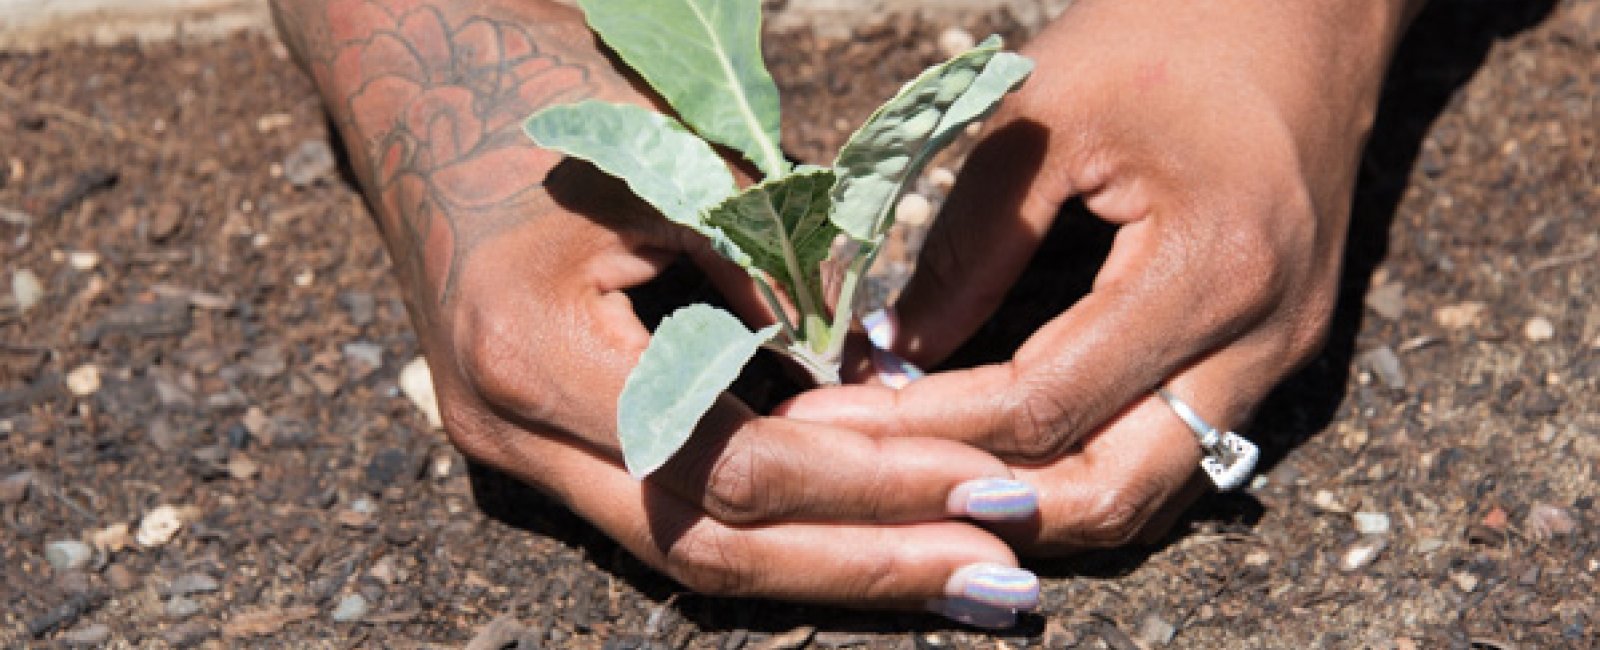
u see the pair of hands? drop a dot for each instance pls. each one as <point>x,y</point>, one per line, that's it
<point>1221,138</point>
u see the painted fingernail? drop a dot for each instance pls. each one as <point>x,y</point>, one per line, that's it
<point>995,585</point>
<point>973,613</point>
<point>994,499</point>
<point>880,326</point>
<point>893,371</point>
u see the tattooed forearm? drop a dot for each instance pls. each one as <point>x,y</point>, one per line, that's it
<point>430,95</point>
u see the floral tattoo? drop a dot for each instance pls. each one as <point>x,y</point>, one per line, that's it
<point>435,97</point>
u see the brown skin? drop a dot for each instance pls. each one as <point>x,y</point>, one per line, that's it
<point>1222,138</point>
<point>1222,135</point>
<point>514,270</point>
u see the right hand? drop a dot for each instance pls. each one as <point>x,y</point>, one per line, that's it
<point>515,271</point>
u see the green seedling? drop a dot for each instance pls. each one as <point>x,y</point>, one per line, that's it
<point>704,58</point>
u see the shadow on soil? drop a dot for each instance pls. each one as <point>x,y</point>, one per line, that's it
<point>1445,47</point>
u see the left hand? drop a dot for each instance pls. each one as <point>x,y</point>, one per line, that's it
<point>1222,138</point>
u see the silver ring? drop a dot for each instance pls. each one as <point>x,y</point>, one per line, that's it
<point>1229,458</point>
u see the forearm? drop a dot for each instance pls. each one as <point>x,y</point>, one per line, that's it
<point>429,98</point>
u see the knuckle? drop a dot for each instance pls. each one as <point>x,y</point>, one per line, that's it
<point>490,351</point>
<point>708,559</point>
<point>1115,516</point>
<point>735,487</point>
<point>1041,426</point>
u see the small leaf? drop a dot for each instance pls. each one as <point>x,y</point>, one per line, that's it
<point>704,57</point>
<point>666,165</point>
<point>903,134</point>
<point>781,217</point>
<point>694,355</point>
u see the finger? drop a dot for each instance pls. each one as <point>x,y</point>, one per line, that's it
<point>745,469</point>
<point>903,566</point>
<point>1146,318</point>
<point>1132,479</point>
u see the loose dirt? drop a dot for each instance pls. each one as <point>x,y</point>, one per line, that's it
<point>210,336</point>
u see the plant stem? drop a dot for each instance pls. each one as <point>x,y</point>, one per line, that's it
<point>777,307</point>
<point>844,311</point>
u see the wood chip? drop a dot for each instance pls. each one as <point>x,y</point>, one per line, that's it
<point>262,622</point>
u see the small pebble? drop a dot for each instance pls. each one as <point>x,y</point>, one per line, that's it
<point>93,634</point>
<point>1386,365</point>
<point>1496,518</point>
<point>305,278</point>
<point>1362,553</point>
<point>1371,523</point>
<point>84,380</point>
<point>1464,581</point>
<point>1545,521</point>
<point>309,163</point>
<point>954,40</point>
<point>363,355</point>
<point>350,608</point>
<point>26,289</point>
<point>112,538</point>
<point>1459,315</point>
<point>159,526</point>
<point>14,488</point>
<point>1324,500</point>
<point>1156,631</point>
<point>1258,558</point>
<point>914,210</point>
<point>166,221</point>
<point>1539,329</point>
<point>442,465</point>
<point>1388,300</point>
<point>417,384</point>
<point>179,608</point>
<point>193,583</point>
<point>255,421</point>
<point>241,467</point>
<point>68,554</point>
<point>83,260</point>
<point>273,122</point>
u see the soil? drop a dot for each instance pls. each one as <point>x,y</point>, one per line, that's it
<point>1457,396</point>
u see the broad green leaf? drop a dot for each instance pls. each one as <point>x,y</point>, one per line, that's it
<point>704,57</point>
<point>694,355</point>
<point>903,134</point>
<point>782,224</point>
<point>666,165</point>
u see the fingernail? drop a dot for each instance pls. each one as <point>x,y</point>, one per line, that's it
<point>995,585</point>
<point>893,371</point>
<point>994,499</point>
<point>973,613</point>
<point>880,326</point>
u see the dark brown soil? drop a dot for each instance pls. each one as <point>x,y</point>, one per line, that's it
<point>224,298</point>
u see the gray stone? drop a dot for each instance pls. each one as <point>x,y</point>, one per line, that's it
<point>1156,631</point>
<point>1362,553</point>
<point>363,356</point>
<point>68,554</point>
<point>308,163</point>
<point>1384,364</point>
<point>350,608</point>
<point>180,607</point>
<point>361,305</point>
<point>1388,301</point>
<point>193,583</point>
<point>1371,523</point>
<point>26,289</point>
<point>93,634</point>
